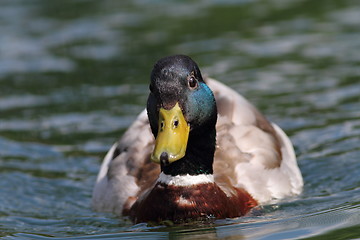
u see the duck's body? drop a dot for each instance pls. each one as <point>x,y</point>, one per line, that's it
<point>254,161</point>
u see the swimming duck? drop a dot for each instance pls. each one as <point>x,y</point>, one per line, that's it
<point>199,150</point>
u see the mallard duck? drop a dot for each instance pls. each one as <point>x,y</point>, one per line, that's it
<point>199,150</point>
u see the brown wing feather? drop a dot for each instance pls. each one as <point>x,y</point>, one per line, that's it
<point>235,114</point>
<point>136,146</point>
<point>126,170</point>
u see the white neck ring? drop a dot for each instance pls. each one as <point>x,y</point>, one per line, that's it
<point>185,180</point>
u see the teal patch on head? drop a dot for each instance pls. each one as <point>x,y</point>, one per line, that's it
<point>201,104</point>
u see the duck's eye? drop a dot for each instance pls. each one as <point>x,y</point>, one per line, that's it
<point>192,83</point>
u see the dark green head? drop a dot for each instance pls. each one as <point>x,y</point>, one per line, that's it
<point>176,81</point>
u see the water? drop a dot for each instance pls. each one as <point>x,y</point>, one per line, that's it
<point>74,75</point>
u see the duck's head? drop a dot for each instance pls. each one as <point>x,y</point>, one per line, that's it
<point>180,107</point>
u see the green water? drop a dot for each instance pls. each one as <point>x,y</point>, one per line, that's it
<point>74,75</point>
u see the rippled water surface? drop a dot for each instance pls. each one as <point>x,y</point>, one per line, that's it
<point>74,75</point>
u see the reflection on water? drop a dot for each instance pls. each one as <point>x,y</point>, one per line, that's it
<point>73,76</point>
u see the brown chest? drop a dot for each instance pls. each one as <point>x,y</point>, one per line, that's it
<point>184,203</point>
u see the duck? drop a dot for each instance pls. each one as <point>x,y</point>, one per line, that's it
<point>199,150</point>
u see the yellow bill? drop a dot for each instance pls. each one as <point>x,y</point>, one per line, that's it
<point>172,137</point>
